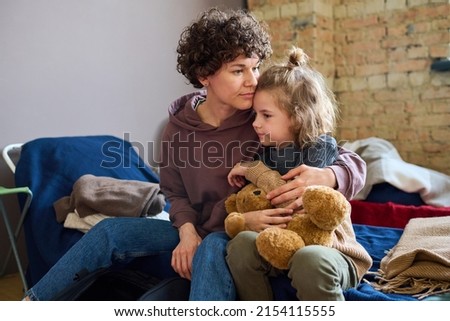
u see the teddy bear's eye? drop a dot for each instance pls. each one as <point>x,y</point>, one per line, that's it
<point>257,192</point>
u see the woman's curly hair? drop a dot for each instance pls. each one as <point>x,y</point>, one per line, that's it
<point>218,37</point>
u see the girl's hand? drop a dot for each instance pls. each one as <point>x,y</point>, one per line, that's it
<point>183,254</point>
<point>260,220</point>
<point>236,177</point>
<point>298,179</point>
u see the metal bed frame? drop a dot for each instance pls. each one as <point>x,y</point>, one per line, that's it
<point>13,234</point>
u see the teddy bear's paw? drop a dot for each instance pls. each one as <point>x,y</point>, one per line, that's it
<point>234,223</point>
<point>327,207</point>
<point>277,246</point>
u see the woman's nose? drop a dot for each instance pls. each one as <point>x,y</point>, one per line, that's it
<point>251,80</point>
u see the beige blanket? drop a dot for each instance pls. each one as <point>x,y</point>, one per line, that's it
<point>420,262</point>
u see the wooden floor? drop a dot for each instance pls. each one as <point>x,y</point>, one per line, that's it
<point>11,288</point>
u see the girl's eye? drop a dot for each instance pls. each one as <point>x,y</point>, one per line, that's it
<point>267,115</point>
<point>238,72</point>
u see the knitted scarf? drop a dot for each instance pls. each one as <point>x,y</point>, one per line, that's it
<point>420,262</point>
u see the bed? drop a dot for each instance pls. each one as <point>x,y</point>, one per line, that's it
<point>50,167</point>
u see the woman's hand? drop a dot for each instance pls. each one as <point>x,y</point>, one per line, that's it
<point>260,220</point>
<point>298,179</point>
<point>183,254</point>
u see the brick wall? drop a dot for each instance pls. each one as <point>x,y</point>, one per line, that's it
<point>376,55</point>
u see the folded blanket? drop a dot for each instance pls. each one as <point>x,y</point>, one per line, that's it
<point>82,224</point>
<point>420,262</point>
<point>110,196</point>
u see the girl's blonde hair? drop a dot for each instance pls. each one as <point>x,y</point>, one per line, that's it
<point>304,94</point>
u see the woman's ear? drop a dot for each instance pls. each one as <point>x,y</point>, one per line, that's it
<point>204,81</point>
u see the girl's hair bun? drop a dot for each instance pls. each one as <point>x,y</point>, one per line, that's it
<point>297,57</point>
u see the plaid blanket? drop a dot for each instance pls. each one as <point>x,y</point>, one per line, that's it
<point>420,262</point>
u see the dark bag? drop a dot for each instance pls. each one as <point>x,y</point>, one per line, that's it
<point>108,285</point>
<point>124,285</point>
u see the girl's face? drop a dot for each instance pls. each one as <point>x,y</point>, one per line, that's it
<point>233,85</point>
<point>272,123</point>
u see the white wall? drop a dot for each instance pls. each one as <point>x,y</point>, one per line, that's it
<point>71,67</point>
<point>86,67</point>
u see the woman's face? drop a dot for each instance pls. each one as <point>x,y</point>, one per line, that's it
<point>233,85</point>
<point>272,124</point>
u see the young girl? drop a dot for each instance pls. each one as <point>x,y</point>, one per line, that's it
<point>295,111</point>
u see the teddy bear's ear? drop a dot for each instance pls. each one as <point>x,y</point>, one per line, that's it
<point>230,203</point>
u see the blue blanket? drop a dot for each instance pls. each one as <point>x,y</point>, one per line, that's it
<point>50,167</point>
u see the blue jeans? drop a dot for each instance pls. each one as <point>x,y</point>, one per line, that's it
<point>111,241</point>
<point>211,279</point>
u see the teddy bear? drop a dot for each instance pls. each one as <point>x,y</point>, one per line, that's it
<point>324,209</point>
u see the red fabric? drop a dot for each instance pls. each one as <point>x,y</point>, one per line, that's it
<point>391,214</point>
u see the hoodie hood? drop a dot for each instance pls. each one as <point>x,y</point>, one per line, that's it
<point>182,114</point>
